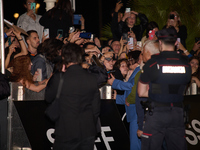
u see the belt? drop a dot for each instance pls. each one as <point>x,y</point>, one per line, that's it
<point>160,104</point>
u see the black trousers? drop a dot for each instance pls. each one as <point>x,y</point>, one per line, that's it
<point>165,123</point>
<point>75,144</point>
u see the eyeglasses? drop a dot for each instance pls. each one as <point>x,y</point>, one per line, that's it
<point>130,59</point>
<point>108,59</point>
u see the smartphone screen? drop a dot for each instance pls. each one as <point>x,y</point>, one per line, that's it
<point>60,31</point>
<point>46,32</point>
<point>33,5</point>
<point>125,37</point>
<point>77,18</point>
<point>130,42</point>
<point>9,41</point>
<point>128,9</point>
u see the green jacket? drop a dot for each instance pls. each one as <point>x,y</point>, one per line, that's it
<point>132,95</point>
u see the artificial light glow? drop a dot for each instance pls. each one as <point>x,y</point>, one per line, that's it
<point>37,6</point>
<point>16,15</point>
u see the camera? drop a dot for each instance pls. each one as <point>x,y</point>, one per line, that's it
<point>171,16</point>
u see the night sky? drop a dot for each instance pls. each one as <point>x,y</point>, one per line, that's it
<point>88,8</point>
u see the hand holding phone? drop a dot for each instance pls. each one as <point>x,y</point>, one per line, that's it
<point>60,33</point>
<point>130,42</point>
<point>151,34</point>
<point>33,5</point>
<point>46,33</point>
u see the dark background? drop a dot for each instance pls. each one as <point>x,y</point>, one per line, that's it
<point>97,13</point>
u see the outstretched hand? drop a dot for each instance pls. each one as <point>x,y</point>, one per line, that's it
<point>111,80</point>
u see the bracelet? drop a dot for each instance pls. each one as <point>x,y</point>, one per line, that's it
<point>20,39</point>
<point>185,51</point>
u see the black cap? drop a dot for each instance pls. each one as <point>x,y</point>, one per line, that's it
<point>167,33</point>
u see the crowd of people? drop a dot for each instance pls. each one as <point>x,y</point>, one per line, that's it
<point>35,61</point>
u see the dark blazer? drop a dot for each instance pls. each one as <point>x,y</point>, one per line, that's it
<point>79,103</point>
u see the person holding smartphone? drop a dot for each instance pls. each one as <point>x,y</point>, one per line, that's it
<point>175,21</point>
<point>30,20</point>
<point>127,24</point>
<point>58,19</point>
<point>151,29</point>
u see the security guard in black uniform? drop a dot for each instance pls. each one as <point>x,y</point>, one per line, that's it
<point>163,80</point>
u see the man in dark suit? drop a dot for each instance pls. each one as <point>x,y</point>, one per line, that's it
<point>79,103</point>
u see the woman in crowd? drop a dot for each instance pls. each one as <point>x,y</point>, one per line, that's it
<point>121,70</point>
<point>194,62</point>
<point>21,67</point>
<point>175,21</point>
<point>151,29</point>
<point>58,19</point>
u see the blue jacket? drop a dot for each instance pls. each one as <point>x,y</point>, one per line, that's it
<point>127,87</point>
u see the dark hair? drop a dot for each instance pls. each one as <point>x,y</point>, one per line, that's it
<point>88,43</point>
<point>134,55</point>
<point>119,61</point>
<point>29,33</point>
<point>151,25</point>
<point>167,35</point>
<point>169,41</point>
<point>50,48</point>
<point>63,6</point>
<point>72,53</point>
<point>24,1</point>
<point>197,73</point>
<point>114,41</point>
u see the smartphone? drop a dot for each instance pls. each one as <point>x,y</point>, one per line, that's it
<point>109,72</point>
<point>139,43</point>
<point>179,40</point>
<point>171,16</point>
<point>46,32</point>
<point>125,36</point>
<point>9,41</point>
<point>151,34</point>
<point>130,42</point>
<point>128,10</point>
<point>71,29</point>
<point>60,31</point>
<point>85,35</point>
<point>33,5</point>
<point>197,39</point>
<point>77,18</point>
